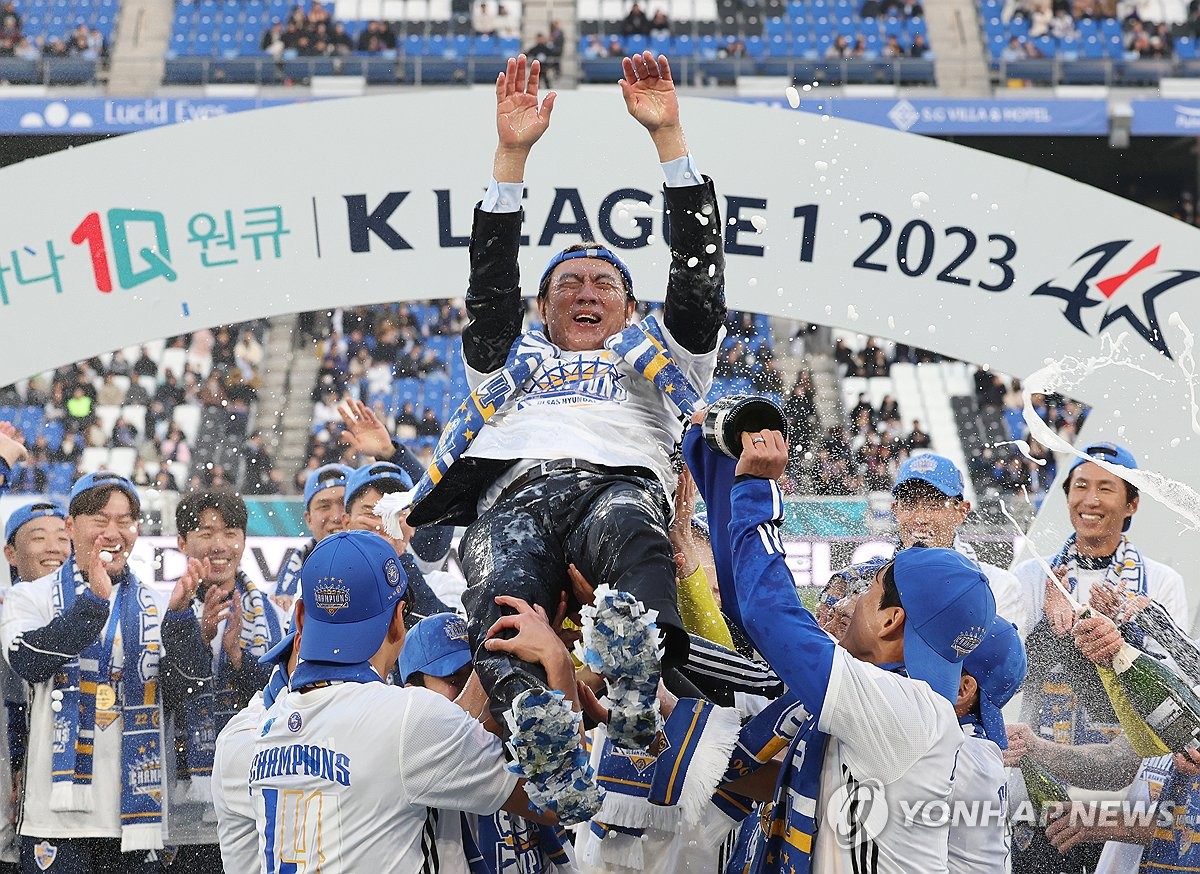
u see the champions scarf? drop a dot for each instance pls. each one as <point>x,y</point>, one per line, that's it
<point>141,737</point>
<point>508,843</point>
<point>206,713</point>
<point>642,345</point>
<point>652,795</point>
<point>1177,848</point>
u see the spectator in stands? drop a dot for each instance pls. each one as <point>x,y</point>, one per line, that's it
<point>94,434</point>
<point>660,25</point>
<point>174,447</point>
<point>892,48</point>
<point>325,412</point>
<point>147,366</point>
<point>258,465</point>
<point>79,407</point>
<point>119,365</point>
<point>1014,51</point>
<point>889,410</point>
<point>70,449</point>
<point>733,48</point>
<point>110,394</point>
<point>248,355</point>
<point>543,50</point>
<point>222,350</point>
<point>917,438</point>
<point>407,422</point>
<point>272,41</point>
<point>124,433</point>
<point>9,8</point>
<point>768,379</point>
<point>839,48</point>
<point>483,21</point>
<point>870,9</point>
<point>635,23</point>
<point>429,426</point>
<point>507,25</point>
<point>54,48</point>
<point>615,48</point>
<point>1062,25</point>
<point>595,48</point>
<point>10,33</point>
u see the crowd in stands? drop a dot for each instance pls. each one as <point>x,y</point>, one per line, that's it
<point>81,42</point>
<point>1137,29</point>
<point>315,34</point>
<point>1007,467</point>
<point>171,416</point>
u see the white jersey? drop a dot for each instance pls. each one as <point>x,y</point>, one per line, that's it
<point>892,736</point>
<point>27,607</point>
<point>1146,788</point>
<point>1006,589</point>
<point>1163,584</point>
<point>591,405</point>
<point>230,793</point>
<point>980,846</point>
<point>371,777</point>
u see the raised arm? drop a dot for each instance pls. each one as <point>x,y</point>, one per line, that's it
<point>695,300</point>
<point>494,292</point>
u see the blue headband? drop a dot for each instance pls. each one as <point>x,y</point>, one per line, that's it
<point>597,252</point>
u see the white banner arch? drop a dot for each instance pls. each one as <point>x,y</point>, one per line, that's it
<point>369,199</point>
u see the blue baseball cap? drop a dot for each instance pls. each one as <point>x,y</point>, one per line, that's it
<point>99,479</point>
<point>1113,454</point>
<point>999,666</point>
<point>937,470</point>
<point>351,581</point>
<point>373,474</point>
<point>438,645</point>
<point>948,607</point>
<point>28,513</point>
<point>1105,451</point>
<point>601,252</point>
<point>327,476</point>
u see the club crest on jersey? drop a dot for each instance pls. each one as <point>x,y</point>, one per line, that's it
<point>456,629</point>
<point>391,570</point>
<point>44,854</point>
<point>331,595</point>
<point>295,721</point>
<point>966,642</point>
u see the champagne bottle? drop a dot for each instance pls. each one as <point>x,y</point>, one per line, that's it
<point>1160,697</point>
<point>1044,789</point>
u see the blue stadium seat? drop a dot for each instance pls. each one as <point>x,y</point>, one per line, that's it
<point>755,47</point>
<point>1093,48</point>
<point>1185,48</point>
<point>1110,27</point>
<point>1087,27</point>
<point>54,430</point>
<point>636,44</point>
<point>777,27</point>
<point>685,46</point>
<point>1018,27</point>
<point>1047,45</point>
<point>29,420</point>
<point>660,45</point>
<point>779,46</point>
<point>486,46</point>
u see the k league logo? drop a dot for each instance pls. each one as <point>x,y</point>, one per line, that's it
<point>1113,269</point>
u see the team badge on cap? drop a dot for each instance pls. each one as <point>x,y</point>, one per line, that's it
<point>295,721</point>
<point>392,571</point>
<point>331,595</point>
<point>456,629</point>
<point>967,641</point>
<point>923,464</point>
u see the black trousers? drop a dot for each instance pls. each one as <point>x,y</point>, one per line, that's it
<point>612,527</point>
<point>84,856</point>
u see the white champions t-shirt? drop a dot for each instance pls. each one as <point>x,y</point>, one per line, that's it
<point>27,607</point>
<point>371,777</point>
<point>898,737</point>
<point>230,794</point>
<point>594,406</point>
<point>979,845</point>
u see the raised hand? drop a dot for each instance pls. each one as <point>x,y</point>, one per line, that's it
<point>231,640</point>
<point>185,588</point>
<point>12,449</point>
<point>98,579</point>
<point>649,91</point>
<point>364,432</point>
<point>520,121</point>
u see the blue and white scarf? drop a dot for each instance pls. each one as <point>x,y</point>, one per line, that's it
<point>207,712</point>
<point>1176,849</point>
<point>642,345</point>
<point>1126,572</point>
<point>654,794</point>
<point>139,623</point>
<point>507,843</point>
